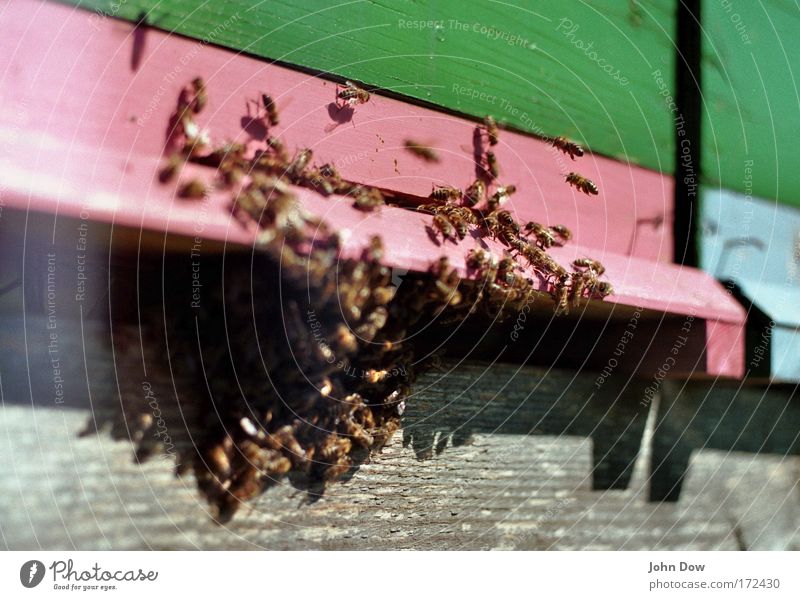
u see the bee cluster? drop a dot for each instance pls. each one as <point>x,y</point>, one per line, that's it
<point>304,360</point>
<point>499,282</point>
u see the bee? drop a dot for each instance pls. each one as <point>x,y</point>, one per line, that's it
<point>447,281</point>
<point>459,224</point>
<point>194,189</point>
<point>491,163</point>
<point>475,192</point>
<point>424,152</point>
<point>200,95</point>
<point>580,282</point>
<point>591,264</point>
<point>352,94</point>
<point>506,271</point>
<point>446,194</point>
<point>300,162</point>
<point>500,195</point>
<point>345,339</point>
<point>444,225</point>
<point>602,289</point>
<point>483,261</point>
<point>562,232</point>
<point>368,199</point>
<point>561,295</point>
<point>542,234</point>
<point>271,109</point>
<point>492,132</point>
<point>581,183</point>
<point>169,170</point>
<point>278,148</point>
<point>567,147</point>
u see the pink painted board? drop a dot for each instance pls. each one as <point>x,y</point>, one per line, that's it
<point>67,73</point>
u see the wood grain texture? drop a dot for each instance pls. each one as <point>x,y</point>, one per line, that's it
<point>495,456</point>
<point>577,69</point>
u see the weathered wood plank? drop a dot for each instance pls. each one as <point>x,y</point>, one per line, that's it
<point>487,458</point>
<point>585,71</point>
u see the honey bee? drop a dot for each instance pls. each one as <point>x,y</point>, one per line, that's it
<point>300,162</point>
<point>475,192</point>
<point>444,225</point>
<point>374,252</point>
<point>500,195</point>
<point>491,163</point>
<point>194,189</point>
<point>352,94</point>
<point>200,95</point>
<point>581,183</point>
<point>602,289</point>
<point>580,282</point>
<point>561,295</point>
<point>591,264</point>
<point>561,231</point>
<point>542,234</point>
<point>506,271</point>
<point>271,110</point>
<point>567,147</point>
<point>422,151</point>
<point>169,170</point>
<point>368,199</point>
<point>447,281</point>
<point>482,260</point>
<point>345,339</point>
<point>446,194</point>
<point>492,132</point>
<point>277,146</point>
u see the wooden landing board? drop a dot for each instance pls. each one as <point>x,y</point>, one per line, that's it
<point>504,463</point>
<point>584,70</point>
<point>68,83</point>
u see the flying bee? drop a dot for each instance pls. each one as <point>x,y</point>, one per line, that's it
<point>542,234</point>
<point>500,195</point>
<point>589,263</point>
<point>422,151</point>
<point>169,170</point>
<point>492,166</point>
<point>444,225</point>
<point>446,193</point>
<point>271,110</point>
<point>475,192</point>
<point>300,162</point>
<point>374,252</point>
<point>581,183</point>
<point>200,95</point>
<point>492,132</point>
<point>194,189</point>
<point>352,94</point>
<point>562,232</point>
<point>567,147</point>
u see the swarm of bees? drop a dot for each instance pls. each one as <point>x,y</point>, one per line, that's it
<point>319,394</point>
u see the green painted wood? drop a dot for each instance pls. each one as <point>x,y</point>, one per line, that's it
<point>751,97</point>
<point>580,69</point>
